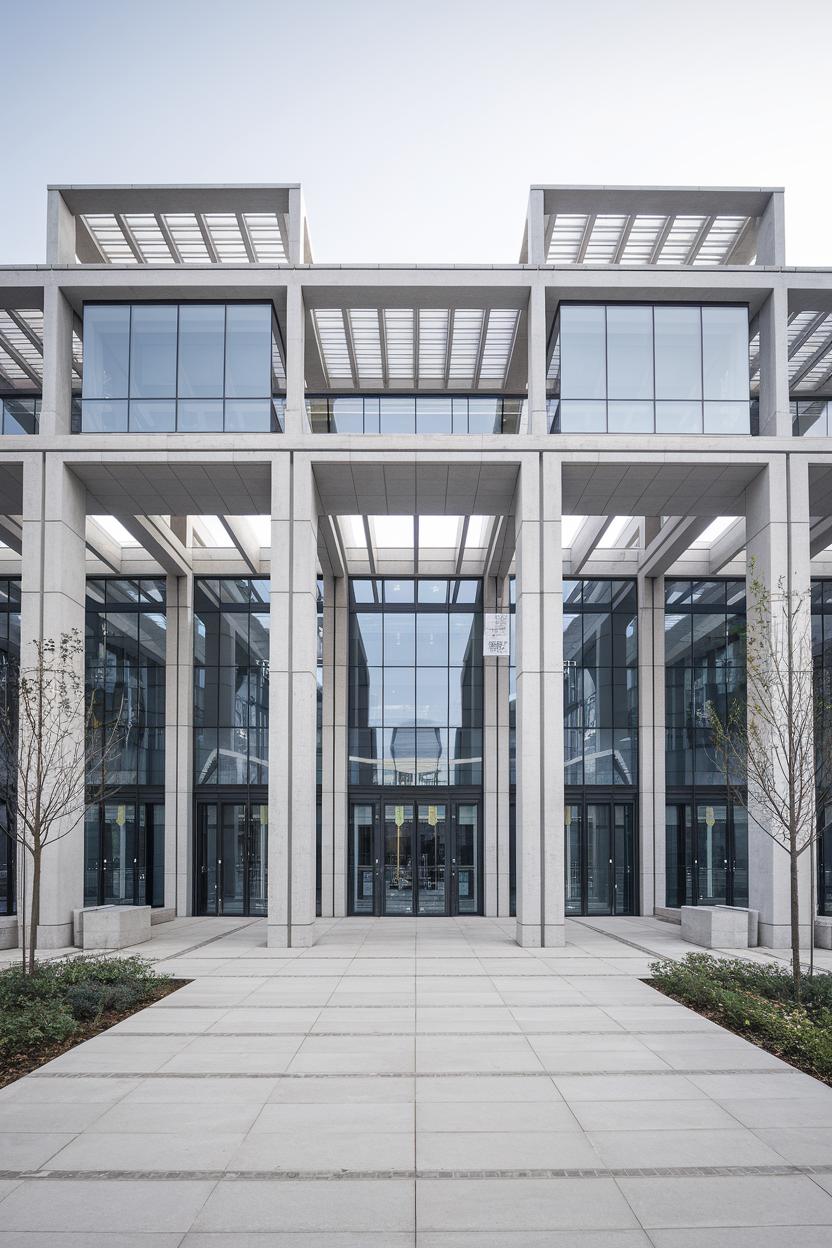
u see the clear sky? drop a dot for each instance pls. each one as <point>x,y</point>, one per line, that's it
<point>417,126</point>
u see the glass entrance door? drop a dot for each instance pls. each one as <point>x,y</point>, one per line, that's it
<point>398,858</point>
<point>707,853</point>
<point>231,858</point>
<point>409,856</point>
<point>432,858</point>
<point>599,858</point>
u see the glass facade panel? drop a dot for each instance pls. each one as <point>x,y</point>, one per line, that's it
<point>191,368</point>
<point>637,368</point>
<point>422,414</point>
<point>706,831</point>
<point>19,415</point>
<point>125,656</point>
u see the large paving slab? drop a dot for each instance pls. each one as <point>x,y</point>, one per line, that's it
<point>418,1082</point>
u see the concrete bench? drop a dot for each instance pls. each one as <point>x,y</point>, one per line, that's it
<point>715,927</point>
<point>667,914</point>
<point>8,931</point>
<point>753,923</point>
<point>823,931</point>
<point>112,927</point>
<point>162,914</point>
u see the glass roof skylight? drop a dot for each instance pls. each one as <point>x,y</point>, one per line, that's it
<point>644,238</point>
<point>436,348</point>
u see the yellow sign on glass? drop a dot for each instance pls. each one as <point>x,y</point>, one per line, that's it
<point>433,816</point>
<point>121,816</point>
<point>399,816</point>
<point>710,818</point>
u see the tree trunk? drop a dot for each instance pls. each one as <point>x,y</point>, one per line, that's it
<point>35,918</point>
<point>795,917</point>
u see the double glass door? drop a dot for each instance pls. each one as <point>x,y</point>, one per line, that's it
<point>412,857</point>
<point>231,857</point>
<point>599,852</point>
<point>707,851</point>
<point>124,853</point>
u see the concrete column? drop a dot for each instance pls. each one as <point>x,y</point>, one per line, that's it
<point>60,230</point>
<point>773,323</point>
<point>551,736</point>
<point>292,703</point>
<point>771,234</point>
<point>340,811</point>
<point>540,913</point>
<point>651,738</point>
<point>534,250</point>
<point>56,406</point>
<point>179,745</point>
<point>296,421</point>
<point>503,769</point>
<point>327,748</point>
<point>777,528</point>
<point>52,603</point>
<point>537,359</point>
<point>490,755</point>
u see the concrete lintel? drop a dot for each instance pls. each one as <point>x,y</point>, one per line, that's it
<point>675,536</point>
<point>157,538</point>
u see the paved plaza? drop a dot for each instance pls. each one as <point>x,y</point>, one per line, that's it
<point>418,1082</point>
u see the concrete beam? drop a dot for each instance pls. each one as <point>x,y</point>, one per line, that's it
<point>239,530</point>
<point>820,535</point>
<point>727,547</point>
<point>103,546</point>
<point>157,538</point>
<point>673,539</point>
<point>586,539</point>
<point>11,532</point>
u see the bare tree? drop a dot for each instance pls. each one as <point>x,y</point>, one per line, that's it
<point>773,747</point>
<point>47,777</point>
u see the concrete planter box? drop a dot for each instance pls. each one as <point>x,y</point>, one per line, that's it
<point>715,927</point>
<point>115,927</point>
<point>823,932</point>
<point>162,914</point>
<point>668,914</point>
<point>753,923</point>
<point>8,931</point>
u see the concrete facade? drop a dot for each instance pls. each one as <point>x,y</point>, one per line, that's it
<point>668,487</point>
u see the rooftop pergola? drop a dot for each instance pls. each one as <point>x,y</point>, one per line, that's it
<point>670,227</point>
<point>810,353</point>
<point>21,351</point>
<point>474,342</point>
<point>167,225</point>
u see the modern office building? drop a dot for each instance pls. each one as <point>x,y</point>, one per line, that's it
<point>284,502</point>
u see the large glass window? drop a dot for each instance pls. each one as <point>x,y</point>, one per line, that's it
<point>9,661</point>
<point>706,832</point>
<point>188,368</point>
<point>19,415</point>
<point>415,414</point>
<point>811,418</point>
<point>416,709</point>
<point>124,833</point>
<point>639,368</point>
<point>600,683</point>
<point>231,681</point>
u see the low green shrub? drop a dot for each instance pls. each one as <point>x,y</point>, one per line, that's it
<point>757,1000</point>
<point>33,1025</point>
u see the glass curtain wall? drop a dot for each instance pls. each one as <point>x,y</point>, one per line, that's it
<point>186,368</point>
<point>9,667</point>
<point>706,833</point>
<point>319,750</point>
<point>414,414</point>
<point>642,368</point>
<point>415,746</point>
<point>124,830</point>
<point>19,415</point>
<point>822,671</point>
<point>600,717</point>
<point>231,744</point>
<point>811,418</point>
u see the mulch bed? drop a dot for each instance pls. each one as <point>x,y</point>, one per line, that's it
<point>14,1066</point>
<point>760,1042</point>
